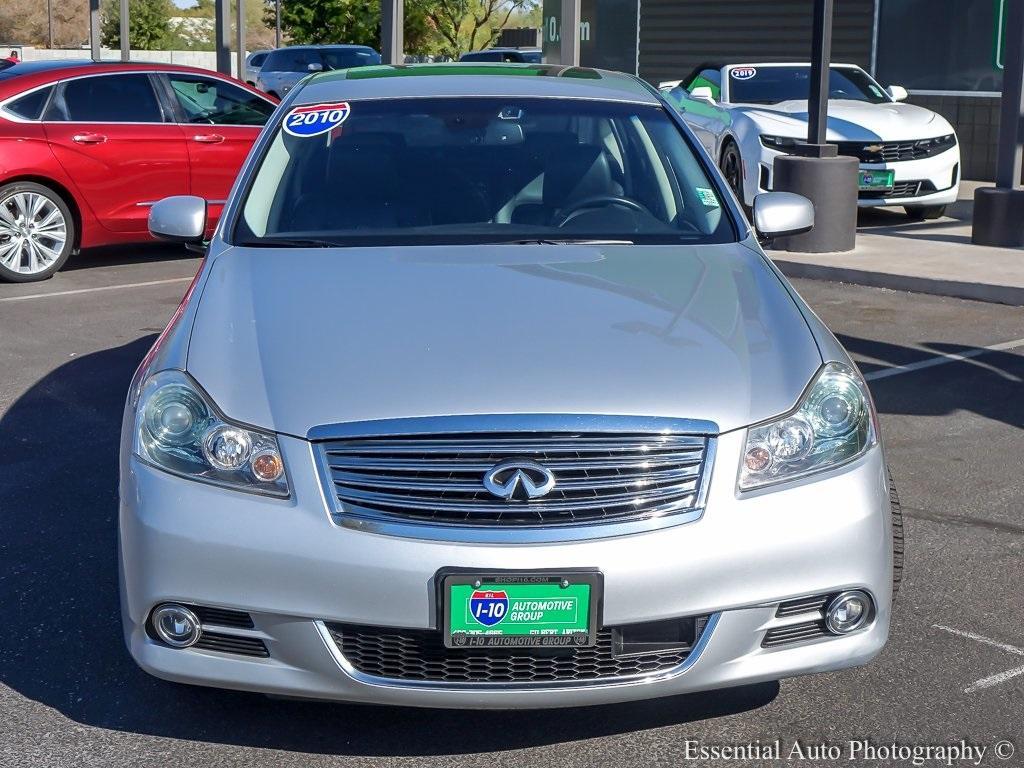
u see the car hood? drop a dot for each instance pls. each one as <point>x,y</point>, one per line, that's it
<point>293,339</point>
<point>851,120</point>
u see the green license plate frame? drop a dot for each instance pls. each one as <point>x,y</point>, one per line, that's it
<point>872,181</point>
<point>525,609</point>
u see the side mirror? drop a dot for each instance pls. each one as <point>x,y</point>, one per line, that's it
<point>704,93</point>
<point>314,67</point>
<point>898,93</point>
<point>180,219</point>
<point>782,214</point>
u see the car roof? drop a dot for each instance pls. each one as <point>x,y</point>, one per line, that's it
<point>347,46</point>
<point>30,74</point>
<point>472,79</point>
<point>503,48</point>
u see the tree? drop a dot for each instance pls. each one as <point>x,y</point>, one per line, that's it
<point>149,29</point>
<point>25,22</point>
<point>347,21</point>
<point>471,25</point>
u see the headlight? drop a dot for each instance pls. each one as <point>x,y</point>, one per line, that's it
<point>780,143</point>
<point>937,145</point>
<point>180,430</point>
<point>831,425</point>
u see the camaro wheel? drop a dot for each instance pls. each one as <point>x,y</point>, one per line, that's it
<point>732,168</point>
<point>36,232</point>
<point>925,212</point>
<point>897,536</point>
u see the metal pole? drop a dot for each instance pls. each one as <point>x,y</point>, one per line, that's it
<point>569,42</point>
<point>126,47</point>
<point>821,54</point>
<point>222,36</point>
<point>1010,149</point>
<point>94,29</point>
<point>49,23</point>
<point>392,37</point>
<point>277,23</point>
<point>240,38</point>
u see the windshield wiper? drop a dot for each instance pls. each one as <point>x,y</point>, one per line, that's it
<point>560,241</point>
<point>292,242</point>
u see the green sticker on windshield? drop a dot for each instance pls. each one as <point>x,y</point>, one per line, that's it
<point>707,197</point>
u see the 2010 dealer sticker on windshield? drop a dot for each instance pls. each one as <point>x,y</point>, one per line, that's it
<point>316,119</point>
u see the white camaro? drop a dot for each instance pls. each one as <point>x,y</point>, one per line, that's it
<point>746,115</point>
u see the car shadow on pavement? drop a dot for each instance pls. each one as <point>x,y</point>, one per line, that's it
<point>61,643</point>
<point>996,396</point>
<point>120,255</point>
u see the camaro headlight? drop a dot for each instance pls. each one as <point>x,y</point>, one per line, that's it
<point>831,425</point>
<point>179,429</point>
<point>938,144</point>
<point>780,143</point>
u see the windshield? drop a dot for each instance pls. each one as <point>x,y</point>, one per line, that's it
<point>771,85</point>
<point>299,59</point>
<point>476,170</point>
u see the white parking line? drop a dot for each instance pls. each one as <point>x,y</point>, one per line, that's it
<point>29,296</point>
<point>1001,677</point>
<point>943,359</point>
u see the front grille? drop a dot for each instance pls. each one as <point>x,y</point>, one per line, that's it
<point>420,655</point>
<point>599,477</point>
<point>242,646</point>
<point>795,633</point>
<point>891,151</point>
<point>901,189</point>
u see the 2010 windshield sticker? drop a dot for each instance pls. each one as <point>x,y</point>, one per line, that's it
<point>743,73</point>
<point>707,197</point>
<point>316,119</point>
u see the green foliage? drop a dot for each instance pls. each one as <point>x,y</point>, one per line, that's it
<point>149,28</point>
<point>431,26</point>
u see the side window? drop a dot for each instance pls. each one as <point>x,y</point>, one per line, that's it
<point>106,99</point>
<point>30,106</point>
<point>206,100</point>
<point>257,60</point>
<point>710,78</point>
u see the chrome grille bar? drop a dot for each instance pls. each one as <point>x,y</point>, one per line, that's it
<point>437,478</point>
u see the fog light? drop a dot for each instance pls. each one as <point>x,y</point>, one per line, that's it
<point>176,625</point>
<point>849,612</point>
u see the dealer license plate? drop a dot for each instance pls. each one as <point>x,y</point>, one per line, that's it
<point>874,180</point>
<point>520,610</point>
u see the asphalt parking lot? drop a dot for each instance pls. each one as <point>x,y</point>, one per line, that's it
<point>953,670</point>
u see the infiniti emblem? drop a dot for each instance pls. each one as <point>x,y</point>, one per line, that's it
<point>519,479</point>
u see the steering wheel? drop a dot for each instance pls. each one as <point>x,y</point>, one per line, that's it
<point>564,215</point>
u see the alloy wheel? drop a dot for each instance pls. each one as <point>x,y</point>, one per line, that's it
<point>33,232</point>
<point>731,169</point>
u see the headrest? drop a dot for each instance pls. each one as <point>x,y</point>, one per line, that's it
<point>576,173</point>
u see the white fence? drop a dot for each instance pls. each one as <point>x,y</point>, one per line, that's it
<point>203,59</point>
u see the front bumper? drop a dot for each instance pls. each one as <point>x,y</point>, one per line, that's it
<point>292,569</point>
<point>940,173</point>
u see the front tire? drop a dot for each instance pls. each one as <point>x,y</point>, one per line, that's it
<point>897,536</point>
<point>925,212</point>
<point>731,165</point>
<point>37,232</point>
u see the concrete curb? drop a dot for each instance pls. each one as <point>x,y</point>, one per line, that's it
<point>994,294</point>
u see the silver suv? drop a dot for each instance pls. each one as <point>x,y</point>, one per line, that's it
<point>486,396</point>
<point>284,67</point>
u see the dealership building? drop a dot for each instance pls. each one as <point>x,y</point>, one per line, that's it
<point>947,53</point>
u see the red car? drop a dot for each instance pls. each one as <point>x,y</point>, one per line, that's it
<point>86,148</point>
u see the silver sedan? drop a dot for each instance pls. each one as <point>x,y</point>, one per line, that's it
<point>487,396</point>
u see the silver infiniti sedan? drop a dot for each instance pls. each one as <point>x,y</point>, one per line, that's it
<point>486,396</point>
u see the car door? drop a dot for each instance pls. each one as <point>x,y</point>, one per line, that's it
<point>220,121</point>
<point>116,144</point>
